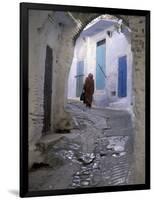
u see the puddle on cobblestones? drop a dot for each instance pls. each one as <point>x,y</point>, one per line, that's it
<point>117,143</point>
<point>89,174</point>
<point>86,158</point>
<point>93,168</point>
<point>118,154</point>
<point>95,172</point>
<point>89,157</point>
<point>66,154</point>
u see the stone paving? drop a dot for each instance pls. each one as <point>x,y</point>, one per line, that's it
<point>97,152</point>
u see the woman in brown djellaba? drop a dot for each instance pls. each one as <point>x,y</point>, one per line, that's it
<point>88,90</point>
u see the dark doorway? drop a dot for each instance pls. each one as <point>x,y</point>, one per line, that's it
<point>47,90</point>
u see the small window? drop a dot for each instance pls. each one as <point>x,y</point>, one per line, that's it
<point>101,42</point>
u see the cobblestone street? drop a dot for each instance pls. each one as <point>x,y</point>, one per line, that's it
<point>97,152</point>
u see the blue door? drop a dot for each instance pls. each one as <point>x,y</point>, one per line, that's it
<point>122,76</point>
<point>79,78</point>
<point>100,65</point>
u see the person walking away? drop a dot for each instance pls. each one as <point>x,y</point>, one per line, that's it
<point>89,90</point>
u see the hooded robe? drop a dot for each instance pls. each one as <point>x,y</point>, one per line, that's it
<point>89,90</point>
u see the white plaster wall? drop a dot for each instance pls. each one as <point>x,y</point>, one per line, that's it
<point>72,80</point>
<point>116,46</point>
<point>38,40</point>
<point>43,32</point>
<point>80,54</point>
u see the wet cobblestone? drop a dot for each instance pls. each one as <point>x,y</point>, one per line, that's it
<point>88,156</point>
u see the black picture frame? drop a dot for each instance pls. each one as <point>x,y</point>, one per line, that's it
<point>24,7</point>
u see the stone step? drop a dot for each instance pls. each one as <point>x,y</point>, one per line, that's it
<point>119,132</point>
<point>120,122</point>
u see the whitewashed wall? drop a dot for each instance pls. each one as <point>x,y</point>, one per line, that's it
<point>42,32</point>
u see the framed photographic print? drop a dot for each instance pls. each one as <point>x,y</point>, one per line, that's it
<point>84,99</point>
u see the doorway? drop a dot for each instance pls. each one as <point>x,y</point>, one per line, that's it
<point>47,90</point>
<point>122,76</point>
<point>100,64</point>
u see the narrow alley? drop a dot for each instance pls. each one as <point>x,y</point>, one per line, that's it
<point>97,152</point>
